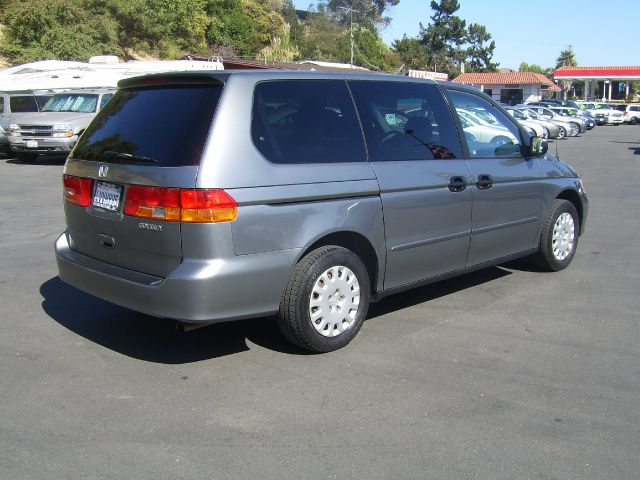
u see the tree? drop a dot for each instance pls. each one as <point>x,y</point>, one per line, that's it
<point>444,37</point>
<point>480,52</point>
<point>525,67</point>
<point>281,49</point>
<point>567,58</point>
<point>365,13</point>
<point>320,39</point>
<point>56,29</point>
<point>412,52</point>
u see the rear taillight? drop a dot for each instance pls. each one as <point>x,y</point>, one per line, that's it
<point>77,190</point>
<point>153,202</point>
<point>172,204</point>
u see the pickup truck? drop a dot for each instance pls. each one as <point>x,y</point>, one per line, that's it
<point>56,128</point>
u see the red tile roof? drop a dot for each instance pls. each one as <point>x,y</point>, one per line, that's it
<point>506,78</point>
<point>597,72</point>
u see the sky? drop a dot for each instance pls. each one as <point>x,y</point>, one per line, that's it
<point>601,33</point>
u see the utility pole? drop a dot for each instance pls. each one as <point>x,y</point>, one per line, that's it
<point>350,10</point>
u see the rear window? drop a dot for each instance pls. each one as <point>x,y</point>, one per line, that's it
<point>23,103</point>
<point>165,126</point>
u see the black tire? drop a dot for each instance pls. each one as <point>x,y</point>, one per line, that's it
<point>294,317</point>
<point>26,157</point>
<point>633,120</point>
<point>549,258</point>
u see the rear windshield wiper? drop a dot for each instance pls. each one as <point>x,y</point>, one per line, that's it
<point>128,157</point>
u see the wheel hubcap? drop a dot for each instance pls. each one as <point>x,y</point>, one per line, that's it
<point>563,236</point>
<point>334,301</point>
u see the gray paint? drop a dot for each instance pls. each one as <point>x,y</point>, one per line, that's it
<point>418,228</point>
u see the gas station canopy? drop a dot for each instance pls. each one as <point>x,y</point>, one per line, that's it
<point>607,75</point>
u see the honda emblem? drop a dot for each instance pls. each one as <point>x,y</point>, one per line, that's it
<point>103,170</point>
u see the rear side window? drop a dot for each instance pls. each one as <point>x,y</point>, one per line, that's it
<point>23,103</point>
<point>405,121</point>
<point>1,104</point>
<point>166,126</point>
<point>306,121</point>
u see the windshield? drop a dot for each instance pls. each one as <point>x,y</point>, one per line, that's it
<point>72,102</point>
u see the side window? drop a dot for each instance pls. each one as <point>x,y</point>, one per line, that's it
<point>105,99</point>
<point>1,104</point>
<point>306,121</point>
<point>405,121</point>
<point>488,132</point>
<point>23,103</point>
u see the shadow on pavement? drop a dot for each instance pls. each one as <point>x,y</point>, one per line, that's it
<point>433,291</point>
<point>152,339</point>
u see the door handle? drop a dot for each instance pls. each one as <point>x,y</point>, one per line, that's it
<point>457,184</point>
<point>484,182</point>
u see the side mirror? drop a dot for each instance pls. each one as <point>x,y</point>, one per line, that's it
<point>538,146</point>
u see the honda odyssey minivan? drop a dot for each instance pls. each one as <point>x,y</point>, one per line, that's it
<point>210,197</point>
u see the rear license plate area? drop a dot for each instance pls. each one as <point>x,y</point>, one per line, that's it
<point>107,195</point>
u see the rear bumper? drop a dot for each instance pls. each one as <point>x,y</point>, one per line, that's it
<point>196,291</point>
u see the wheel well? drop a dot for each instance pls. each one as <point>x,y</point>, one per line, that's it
<point>574,198</point>
<point>359,245</point>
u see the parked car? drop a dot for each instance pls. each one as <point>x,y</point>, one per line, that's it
<point>188,198</point>
<point>555,131</point>
<point>13,104</point>
<point>539,129</point>
<point>56,128</point>
<point>630,113</point>
<point>603,113</point>
<point>567,128</point>
<point>477,129</point>
<point>574,114</point>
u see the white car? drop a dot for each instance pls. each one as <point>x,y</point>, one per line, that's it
<point>476,131</point>
<point>603,113</point>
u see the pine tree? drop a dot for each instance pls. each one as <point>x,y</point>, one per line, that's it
<point>444,37</point>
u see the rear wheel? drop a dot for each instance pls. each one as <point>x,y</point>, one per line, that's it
<point>559,237</point>
<point>326,300</point>
<point>633,120</point>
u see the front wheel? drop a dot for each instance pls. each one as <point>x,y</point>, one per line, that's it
<point>559,237</point>
<point>562,132</point>
<point>326,300</point>
<point>633,120</point>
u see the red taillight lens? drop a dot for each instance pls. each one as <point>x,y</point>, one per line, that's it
<point>172,204</point>
<point>153,202</point>
<point>207,206</point>
<point>77,190</point>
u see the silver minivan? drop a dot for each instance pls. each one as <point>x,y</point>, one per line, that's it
<point>209,197</point>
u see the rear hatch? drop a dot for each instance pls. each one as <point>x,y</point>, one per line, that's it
<point>131,164</point>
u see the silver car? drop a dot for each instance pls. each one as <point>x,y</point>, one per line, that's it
<point>190,197</point>
<point>55,129</point>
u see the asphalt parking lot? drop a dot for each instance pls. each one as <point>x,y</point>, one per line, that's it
<point>506,373</point>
